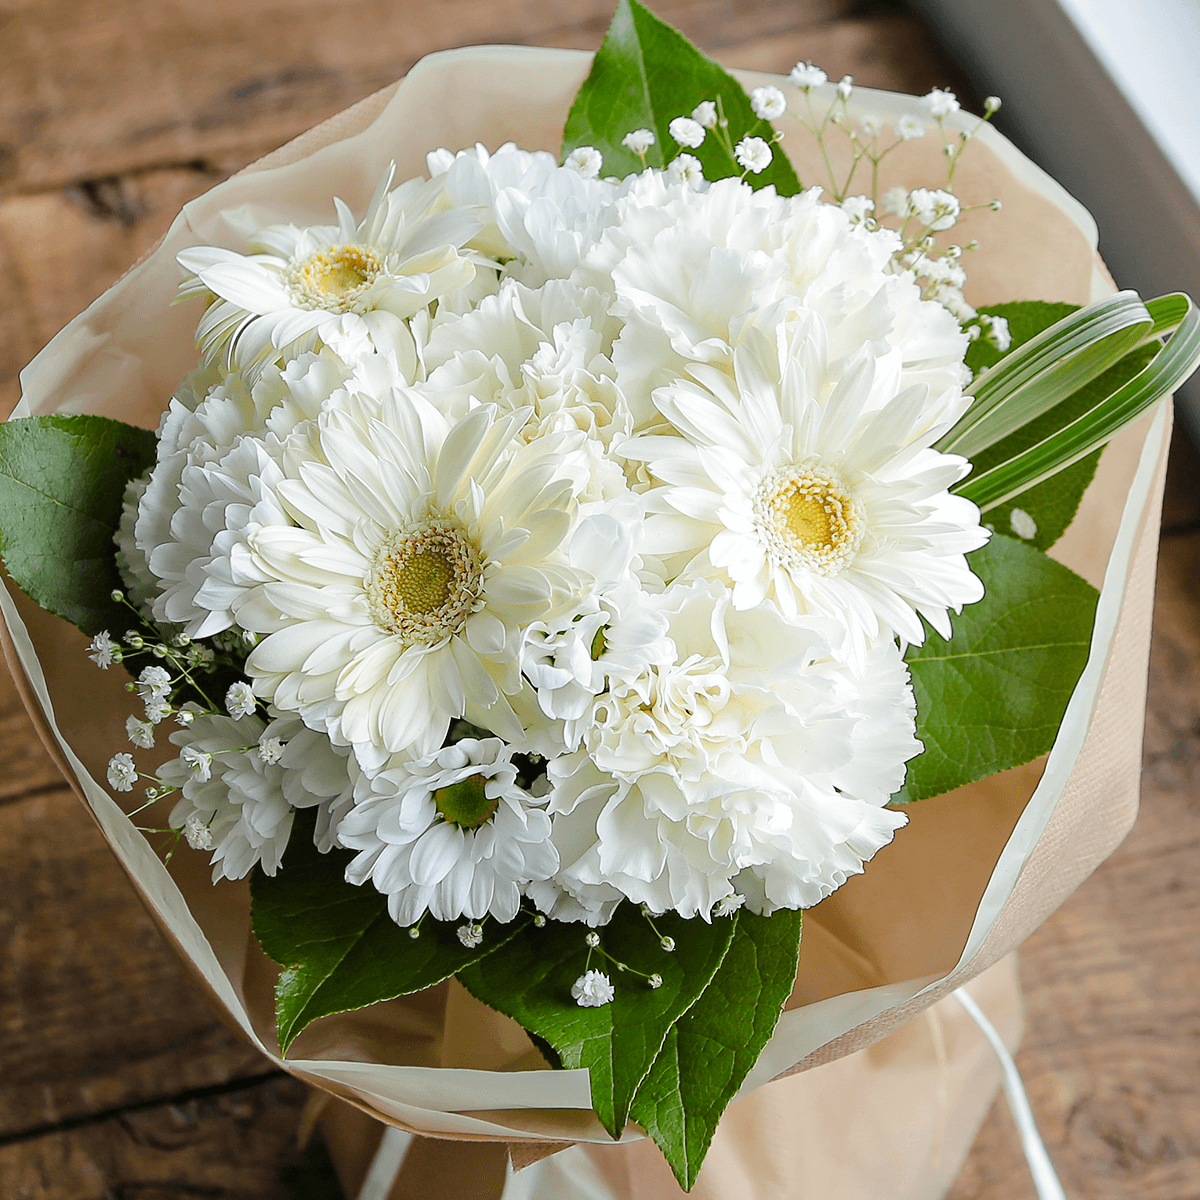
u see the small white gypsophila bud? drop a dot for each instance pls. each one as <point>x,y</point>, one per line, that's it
<point>845,86</point>
<point>122,774</point>
<point>753,154</point>
<point>117,595</point>
<point>728,905</point>
<point>198,835</point>
<point>154,683</point>
<point>895,201</point>
<point>470,934</point>
<point>134,640</point>
<point>414,932</point>
<point>935,208</point>
<point>655,980</point>
<point>948,150</point>
<point>103,651</point>
<point>639,141</point>
<point>804,75</point>
<point>999,334</point>
<point>159,650</point>
<point>705,113</point>
<point>587,160</point>
<point>870,125</point>
<point>686,131</point>
<point>593,989</point>
<point>995,206</point>
<point>685,168</point>
<point>182,640</point>
<point>141,733</point>
<point>667,943</point>
<point>184,717</point>
<point>270,750</point>
<point>198,762</point>
<point>991,105</point>
<point>909,127</point>
<point>592,939</point>
<point>941,103</point>
<point>1023,525</point>
<point>239,700</point>
<point>539,922</point>
<point>857,207</point>
<point>768,102</point>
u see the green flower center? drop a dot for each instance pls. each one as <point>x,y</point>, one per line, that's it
<point>465,804</point>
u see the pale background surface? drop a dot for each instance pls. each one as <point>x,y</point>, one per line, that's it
<point>117,1081</point>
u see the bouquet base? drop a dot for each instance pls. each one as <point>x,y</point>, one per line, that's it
<point>896,1119</point>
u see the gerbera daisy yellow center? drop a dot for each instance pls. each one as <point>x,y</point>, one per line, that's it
<point>335,277</point>
<point>808,518</point>
<point>425,582</point>
<point>466,803</point>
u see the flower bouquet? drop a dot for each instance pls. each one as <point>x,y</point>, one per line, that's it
<point>553,573</point>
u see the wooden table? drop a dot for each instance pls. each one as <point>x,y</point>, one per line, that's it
<point>118,1083</point>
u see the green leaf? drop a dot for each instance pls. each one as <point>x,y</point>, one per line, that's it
<point>644,76</point>
<point>341,949</point>
<point>993,696</point>
<point>710,1050</point>
<point>618,1042</point>
<point>62,481</point>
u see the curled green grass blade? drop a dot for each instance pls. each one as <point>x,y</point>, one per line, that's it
<point>1169,368</point>
<point>1048,368</point>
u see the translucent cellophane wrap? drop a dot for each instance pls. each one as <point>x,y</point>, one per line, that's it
<point>970,877</point>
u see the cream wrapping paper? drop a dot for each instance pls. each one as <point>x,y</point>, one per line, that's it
<point>958,889</point>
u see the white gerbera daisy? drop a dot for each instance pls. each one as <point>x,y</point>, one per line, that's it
<point>754,752</point>
<point>824,498</point>
<point>245,803</point>
<point>451,834</point>
<point>336,284</point>
<point>417,553</point>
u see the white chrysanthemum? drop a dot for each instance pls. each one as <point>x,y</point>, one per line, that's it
<point>691,269</point>
<point>818,492</point>
<point>334,284</point>
<point>752,755</point>
<point>418,551</point>
<point>247,805</point>
<point>451,834</point>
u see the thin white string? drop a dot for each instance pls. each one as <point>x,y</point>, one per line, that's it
<point>385,1166</point>
<point>1040,1166</point>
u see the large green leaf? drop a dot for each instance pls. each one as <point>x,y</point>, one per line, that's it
<point>341,949</point>
<point>62,481</point>
<point>710,1050</point>
<point>993,696</point>
<point>643,76</point>
<point>618,1042</point>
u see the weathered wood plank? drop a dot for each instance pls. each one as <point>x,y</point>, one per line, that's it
<point>236,1146</point>
<point>1112,1056</point>
<point>96,1012</point>
<point>94,89</point>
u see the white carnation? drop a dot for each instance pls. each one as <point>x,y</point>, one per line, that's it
<point>753,755</point>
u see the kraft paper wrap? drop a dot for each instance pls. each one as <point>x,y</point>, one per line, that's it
<point>970,877</point>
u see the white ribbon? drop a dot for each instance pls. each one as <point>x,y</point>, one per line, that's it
<point>1040,1166</point>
